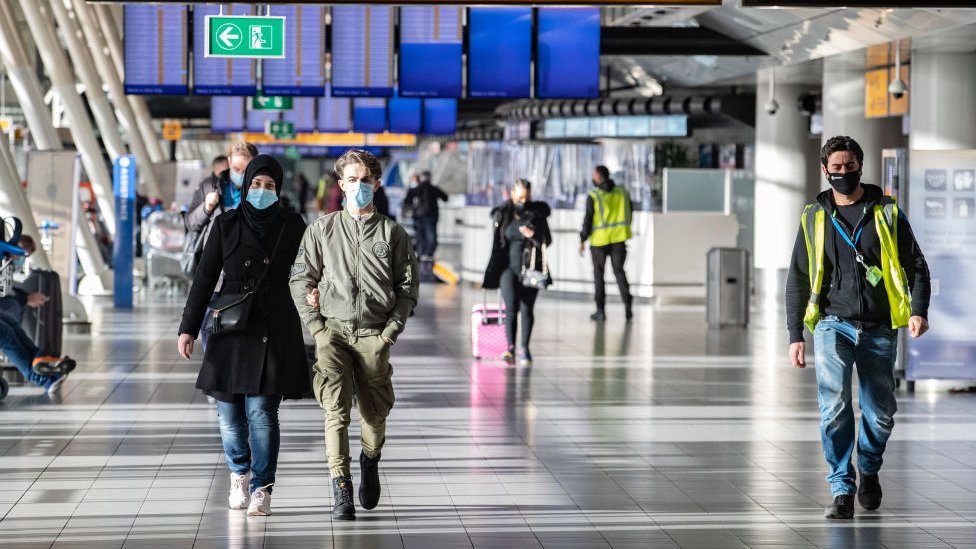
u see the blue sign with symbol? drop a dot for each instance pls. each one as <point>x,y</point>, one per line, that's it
<point>124,249</point>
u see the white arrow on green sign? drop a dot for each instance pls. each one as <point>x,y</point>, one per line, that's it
<point>253,37</point>
<point>271,103</point>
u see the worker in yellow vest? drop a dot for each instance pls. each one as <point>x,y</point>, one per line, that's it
<point>607,226</point>
<point>856,277</point>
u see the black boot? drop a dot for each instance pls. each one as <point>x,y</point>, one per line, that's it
<point>598,316</point>
<point>842,508</point>
<point>629,308</point>
<point>369,484</point>
<point>343,507</point>
<point>869,492</point>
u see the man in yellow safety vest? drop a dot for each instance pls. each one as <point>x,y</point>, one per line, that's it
<point>856,277</point>
<point>606,225</point>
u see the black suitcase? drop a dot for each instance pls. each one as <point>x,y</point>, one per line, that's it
<point>44,324</point>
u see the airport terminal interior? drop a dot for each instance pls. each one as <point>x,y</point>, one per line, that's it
<point>461,169</point>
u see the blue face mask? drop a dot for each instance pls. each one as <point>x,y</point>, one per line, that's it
<point>261,198</point>
<point>19,262</point>
<point>359,195</point>
<point>236,178</point>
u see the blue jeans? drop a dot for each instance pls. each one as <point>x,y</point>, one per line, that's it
<point>251,437</point>
<point>839,345</point>
<point>21,351</point>
<point>425,231</point>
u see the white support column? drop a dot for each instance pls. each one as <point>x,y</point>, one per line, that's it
<point>85,69</point>
<point>784,156</point>
<point>843,113</point>
<point>62,79</point>
<point>94,41</point>
<point>25,83</point>
<point>942,97</point>
<point>113,39</point>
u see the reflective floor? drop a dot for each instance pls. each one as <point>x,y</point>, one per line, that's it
<point>654,435</point>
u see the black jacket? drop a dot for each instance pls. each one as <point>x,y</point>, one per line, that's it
<point>268,357</point>
<point>422,201</point>
<point>536,214</point>
<point>846,292</point>
<point>197,218</point>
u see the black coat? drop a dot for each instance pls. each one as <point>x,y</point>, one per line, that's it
<point>268,357</point>
<point>536,214</point>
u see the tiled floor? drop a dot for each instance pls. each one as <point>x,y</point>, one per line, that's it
<point>653,435</point>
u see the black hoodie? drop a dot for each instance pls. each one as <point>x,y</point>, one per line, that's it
<point>846,292</point>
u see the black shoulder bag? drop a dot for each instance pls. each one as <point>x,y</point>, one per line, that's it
<point>229,312</point>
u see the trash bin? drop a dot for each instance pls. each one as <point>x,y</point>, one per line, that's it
<point>727,288</point>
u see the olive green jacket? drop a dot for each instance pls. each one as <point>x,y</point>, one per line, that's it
<point>365,271</point>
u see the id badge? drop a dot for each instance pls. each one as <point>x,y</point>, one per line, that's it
<point>874,275</point>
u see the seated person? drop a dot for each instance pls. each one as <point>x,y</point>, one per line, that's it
<point>47,372</point>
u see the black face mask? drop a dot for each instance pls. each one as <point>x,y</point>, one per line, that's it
<point>519,206</point>
<point>845,183</point>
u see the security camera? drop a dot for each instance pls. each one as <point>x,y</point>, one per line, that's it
<point>897,88</point>
<point>772,106</point>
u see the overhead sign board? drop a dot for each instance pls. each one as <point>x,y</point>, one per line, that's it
<point>857,3</point>
<point>280,129</point>
<point>172,130</point>
<point>252,37</point>
<point>504,2</point>
<point>271,103</point>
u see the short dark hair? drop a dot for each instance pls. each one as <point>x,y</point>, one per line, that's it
<point>359,156</point>
<point>218,160</point>
<point>27,243</point>
<point>603,171</point>
<point>841,143</point>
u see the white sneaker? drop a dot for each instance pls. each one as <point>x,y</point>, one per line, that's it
<point>260,502</point>
<point>55,388</point>
<point>239,497</point>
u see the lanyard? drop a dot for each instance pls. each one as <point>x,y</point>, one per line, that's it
<point>857,236</point>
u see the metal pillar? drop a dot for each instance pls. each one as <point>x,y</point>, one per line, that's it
<point>96,44</point>
<point>85,68</point>
<point>942,93</point>
<point>112,34</point>
<point>785,155</point>
<point>62,80</point>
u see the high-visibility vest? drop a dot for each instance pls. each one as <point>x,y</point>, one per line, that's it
<point>611,217</point>
<point>814,223</point>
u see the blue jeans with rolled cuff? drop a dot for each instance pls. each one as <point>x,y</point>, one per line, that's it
<point>251,436</point>
<point>839,346</point>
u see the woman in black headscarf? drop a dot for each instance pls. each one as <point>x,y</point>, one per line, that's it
<point>248,372</point>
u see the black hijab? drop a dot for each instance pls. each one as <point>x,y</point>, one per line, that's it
<point>261,221</point>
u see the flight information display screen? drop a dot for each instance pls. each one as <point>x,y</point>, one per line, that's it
<point>220,76</point>
<point>440,116</point>
<point>257,120</point>
<point>302,114</point>
<point>156,50</point>
<point>362,51</point>
<point>227,114</point>
<point>499,52</point>
<point>335,113</point>
<point>369,115</point>
<point>405,114</point>
<point>430,51</point>
<point>302,71</point>
<point>568,53</point>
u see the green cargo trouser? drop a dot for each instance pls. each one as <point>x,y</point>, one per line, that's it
<point>345,363</point>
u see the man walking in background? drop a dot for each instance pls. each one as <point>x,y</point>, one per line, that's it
<point>606,225</point>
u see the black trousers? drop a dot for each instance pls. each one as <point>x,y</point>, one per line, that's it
<point>618,255</point>
<point>519,301</point>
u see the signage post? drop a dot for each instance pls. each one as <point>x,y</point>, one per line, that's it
<point>123,250</point>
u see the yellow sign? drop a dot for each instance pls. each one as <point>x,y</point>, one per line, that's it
<point>876,93</point>
<point>172,130</point>
<point>5,123</point>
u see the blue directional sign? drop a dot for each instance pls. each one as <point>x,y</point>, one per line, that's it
<point>124,249</point>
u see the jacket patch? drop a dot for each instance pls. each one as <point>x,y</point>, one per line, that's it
<point>297,269</point>
<point>381,249</point>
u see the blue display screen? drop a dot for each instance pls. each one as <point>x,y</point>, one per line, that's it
<point>257,120</point>
<point>156,50</point>
<point>227,114</point>
<point>335,113</point>
<point>430,51</point>
<point>499,52</point>
<point>369,115</point>
<point>362,51</point>
<point>440,116</point>
<point>302,114</point>
<point>220,76</point>
<point>302,71</point>
<point>568,53</point>
<point>405,115</point>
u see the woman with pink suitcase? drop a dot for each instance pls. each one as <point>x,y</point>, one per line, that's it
<point>518,267</point>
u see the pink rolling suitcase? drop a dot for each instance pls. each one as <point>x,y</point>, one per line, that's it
<point>488,331</point>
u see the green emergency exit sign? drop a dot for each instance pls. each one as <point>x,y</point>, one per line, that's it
<point>280,129</point>
<point>255,37</point>
<point>271,103</point>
